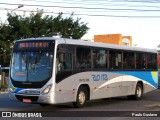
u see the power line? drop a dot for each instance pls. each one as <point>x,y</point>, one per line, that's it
<point>138,1</point>
<point>95,15</point>
<point>131,1</point>
<point>90,8</point>
<point>95,3</point>
<point>95,8</point>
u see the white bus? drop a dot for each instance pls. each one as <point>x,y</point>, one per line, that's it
<point>58,70</point>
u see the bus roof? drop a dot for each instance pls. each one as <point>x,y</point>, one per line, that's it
<point>94,44</point>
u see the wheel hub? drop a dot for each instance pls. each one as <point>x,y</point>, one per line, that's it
<point>81,97</point>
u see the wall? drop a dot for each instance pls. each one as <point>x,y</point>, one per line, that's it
<point>109,38</point>
<point>112,39</point>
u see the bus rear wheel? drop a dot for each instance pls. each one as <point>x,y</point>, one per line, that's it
<point>138,92</point>
<point>82,96</point>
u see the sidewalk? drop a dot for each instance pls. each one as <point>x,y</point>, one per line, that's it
<point>3,92</point>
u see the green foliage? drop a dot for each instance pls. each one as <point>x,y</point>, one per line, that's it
<point>37,25</point>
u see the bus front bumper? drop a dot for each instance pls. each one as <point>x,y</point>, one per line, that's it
<point>42,98</point>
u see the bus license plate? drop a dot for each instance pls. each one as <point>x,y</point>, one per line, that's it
<point>27,100</point>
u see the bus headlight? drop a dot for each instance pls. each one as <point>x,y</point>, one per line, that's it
<point>47,89</point>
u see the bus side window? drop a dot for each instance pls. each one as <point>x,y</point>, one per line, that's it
<point>128,60</point>
<point>83,58</point>
<point>59,62</point>
<point>151,63</point>
<point>67,63</point>
<point>64,62</point>
<point>141,61</point>
<point>115,58</point>
<point>99,59</point>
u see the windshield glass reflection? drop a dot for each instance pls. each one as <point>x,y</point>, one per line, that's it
<point>31,66</point>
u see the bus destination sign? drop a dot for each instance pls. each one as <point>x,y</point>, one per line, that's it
<point>33,44</point>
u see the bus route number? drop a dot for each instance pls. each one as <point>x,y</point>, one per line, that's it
<point>103,77</point>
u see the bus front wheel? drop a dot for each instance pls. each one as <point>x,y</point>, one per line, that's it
<point>138,92</point>
<point>81,98</point>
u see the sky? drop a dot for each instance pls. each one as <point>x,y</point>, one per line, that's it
<point>137,18</point>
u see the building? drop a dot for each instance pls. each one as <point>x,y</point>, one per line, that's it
<point>114,39</point>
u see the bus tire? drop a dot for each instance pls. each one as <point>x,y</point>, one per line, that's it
<point>82,97</point>
<point>138,92</point>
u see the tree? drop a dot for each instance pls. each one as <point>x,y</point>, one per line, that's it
<point>36,25</point>
<point>5,45</point>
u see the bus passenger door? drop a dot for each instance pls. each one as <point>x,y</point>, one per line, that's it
<point>64,66</point>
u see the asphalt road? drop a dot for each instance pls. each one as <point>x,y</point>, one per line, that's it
<point>118,107</point>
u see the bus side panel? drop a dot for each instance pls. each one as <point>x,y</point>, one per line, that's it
<point>102,85</point>
<point>151,81</point>
<point>129,85</point>
<point>148,78</point>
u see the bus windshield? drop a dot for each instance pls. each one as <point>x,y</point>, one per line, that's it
<point>30,66</point>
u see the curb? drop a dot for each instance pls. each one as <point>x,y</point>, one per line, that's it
<point>3,92</point>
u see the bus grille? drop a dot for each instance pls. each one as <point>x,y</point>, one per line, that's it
<point>32,98</point>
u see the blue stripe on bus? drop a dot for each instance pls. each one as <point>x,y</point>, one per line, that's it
<point>148,76</point>
<point>18,89</point>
